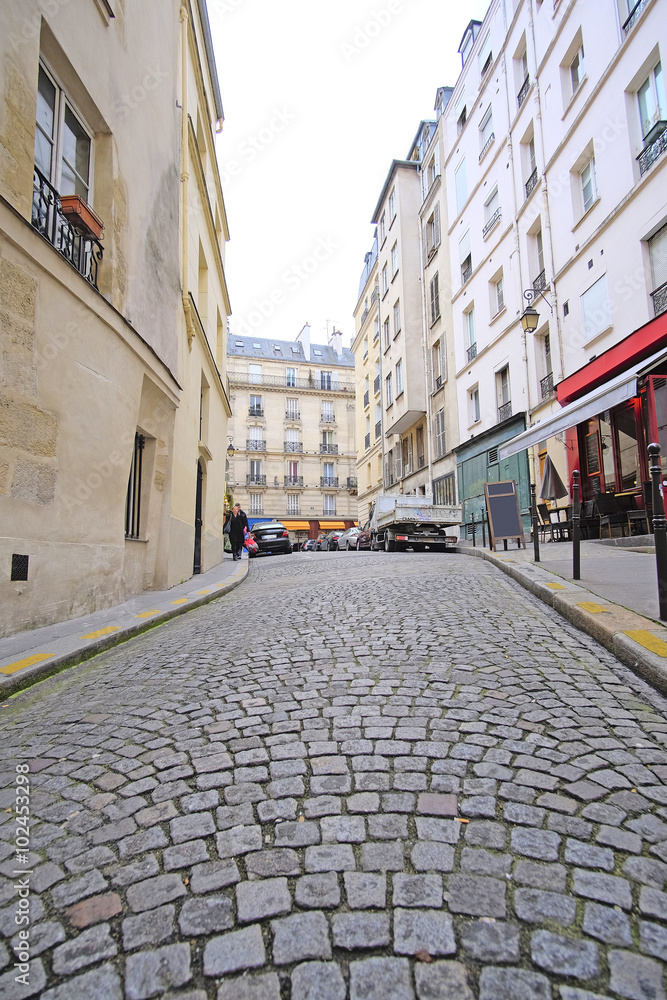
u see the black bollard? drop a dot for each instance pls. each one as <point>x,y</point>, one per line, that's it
<point>474,543</point>
<point>484,532</point>
<point>659,528</point>
<point>533,519</point>
<point>576,530</point>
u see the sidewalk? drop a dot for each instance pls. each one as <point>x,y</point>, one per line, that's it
<point>615,601</point>
<point>28,657</point>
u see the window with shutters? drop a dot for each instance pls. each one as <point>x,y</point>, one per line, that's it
<point>461,185</point>
<point>293,503</point>
<point>444,490</point>
<point>397,318</point>
<point>465,256</point>
<point>657,248</point>
<point>387,334</point>
<point>388,393</point>
<point>256,503</point>
<point>399,378</point>
<point>394,260</point>
<point>437,366</point>
<point>431,234</point>
<point>431,172</point>
<point>439,426</point>
<point>486,133</point>
<point>435,297</point>
<point>492,212</point>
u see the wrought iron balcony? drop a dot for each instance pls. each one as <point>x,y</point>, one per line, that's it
<point>256,411</point>
<point>328,480</point>
<point>504,411</point>
<point>547,385</point>
<point>466,272</point>
<point>364,315</point>
<point>491,222</point>
<point>367,441</point>
<point>293,445</point>
<point>378,429</point>
<point>351,482</point>
<point>376,384</point>
<point>253,444</point>
<point>421,461</point>
<point>367,397</point>
<point>540,282</point>
<point>634,15</point>
<point>328,418</point>
<point>328,449</point>
<point>472,352</point>
<point>531,183</point>
<point>437,383</point>
<point>251,480</point>
<point>486,146</point>
<point>83,251</point>
<point>375,294</point>
<point>292,415</point>
<point>659,297</point>
<point>280,381</point>
<point>523,93</point>
<point>292,510</point>
<point>650,153</point>
<point>293,480</point>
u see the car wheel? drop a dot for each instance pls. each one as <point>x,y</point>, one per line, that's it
<point>389,544</point>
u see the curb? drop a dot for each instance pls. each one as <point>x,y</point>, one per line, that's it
<point>29,676</point>
<point>644,650</point>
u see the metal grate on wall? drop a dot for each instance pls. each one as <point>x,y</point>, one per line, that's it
<point>19,567</point>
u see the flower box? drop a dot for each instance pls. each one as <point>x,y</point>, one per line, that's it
<point>80,215</point>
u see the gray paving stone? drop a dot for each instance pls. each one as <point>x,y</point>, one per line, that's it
<point>381,857</point>
<point>621,840</point>
<point>300,937</point>
<point>243,949</point>
<point>360,929</point>
<point>343,829</point>
<point>512,984</point>
<point>579,853</point>
<point>564,956</point>
<point>89,884</point>
<point>429,855</point>
<point>238,840</point>
<point>135,871</point>
<point>204,916</point>
<point>317,981</point>
<point>431,931</point>
<point>607,924</point>
<point>537,906</point>
<point>151,972</point>
<point>273,862</point>
<point>102,983</point>
<point>653,903</point>
<point>364,890</point>
<point>484,834</point>
<point>214,875</point>
<point>443,980</point>
<point>273,809</point>
<point>542,876</point>
<point>262,986</point>
<point>151,927</point>
<point>363,802</point>
<point>540,844</point>
<point>482,862</point>
<point>491,942</point>
<point>388,826</point>
<point>88,947</point>
<point>256,900</point>
<point>297,834</point>
<point>417,890</point>
<point>329,857</point>
<point>653,939</point>
<point>315,891</point>
<point>193,852</point>
<point>477,895</point>
<point>381,979</point>
<point>635,977</point>
<point>647,871</point>
<point>602,888</point>
<point>154,892</point>
<point>240,815</point>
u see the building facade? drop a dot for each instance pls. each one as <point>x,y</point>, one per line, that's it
<point>367,352</point>
<point>292,433</point>
<point>102,372</point>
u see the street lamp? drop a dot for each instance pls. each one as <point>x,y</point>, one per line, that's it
<point>230,447</point>
<point>530,317</point>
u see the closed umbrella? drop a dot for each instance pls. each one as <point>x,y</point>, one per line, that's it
<point>553,487</point>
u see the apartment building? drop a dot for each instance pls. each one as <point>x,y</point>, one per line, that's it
<point>112,293</point>
<point>292,451</point>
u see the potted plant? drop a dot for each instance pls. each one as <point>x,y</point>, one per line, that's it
<point>81,216</point>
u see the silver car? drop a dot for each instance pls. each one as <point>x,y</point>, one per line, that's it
<point>348,540</point>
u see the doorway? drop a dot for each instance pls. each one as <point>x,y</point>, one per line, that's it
<point>198,518</point>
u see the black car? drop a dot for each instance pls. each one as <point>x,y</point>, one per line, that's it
<point>272,538</point>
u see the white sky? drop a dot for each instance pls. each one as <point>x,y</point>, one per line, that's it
<point>319,97</point>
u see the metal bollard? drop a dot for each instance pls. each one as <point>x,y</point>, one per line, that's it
<point>474,543</point>
<point>533,521</point>
<point>576,529</point>
<point>659,528</point>
<point>484,531</point>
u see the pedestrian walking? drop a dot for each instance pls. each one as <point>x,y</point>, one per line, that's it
<point>238,525</point>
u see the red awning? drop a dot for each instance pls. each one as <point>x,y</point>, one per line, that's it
<point>630,351</point>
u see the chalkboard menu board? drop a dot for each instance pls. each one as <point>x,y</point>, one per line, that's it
<point>502,506</point>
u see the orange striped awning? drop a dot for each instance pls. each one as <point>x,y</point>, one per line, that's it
<point>296,525</point>
<point>331,525</point>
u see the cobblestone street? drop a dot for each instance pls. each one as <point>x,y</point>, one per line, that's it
<point>361,775</point>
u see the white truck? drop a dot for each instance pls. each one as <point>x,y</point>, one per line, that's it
<point>399,522</point>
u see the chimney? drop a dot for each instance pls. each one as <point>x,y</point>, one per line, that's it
<point>336,341</point>
<point>303,337</point>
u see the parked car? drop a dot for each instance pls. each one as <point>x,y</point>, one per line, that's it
<point>330,541</point>
<point>364,537</point>
<point>348,540</point>
<point>311,545</point>
<point>272,537</point>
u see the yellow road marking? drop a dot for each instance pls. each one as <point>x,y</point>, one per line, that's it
<point>181,600</point>
<point>11,668</point>
<point>591,606</point>
<point>203,591</point>
<point>101,631</point>
<point>147,614</point>
<point>648,640</point>
<point>556,586</point>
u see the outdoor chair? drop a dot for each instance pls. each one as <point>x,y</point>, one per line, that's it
<point>609,513</point>
<point>545,521</point>
<point>588,523</point>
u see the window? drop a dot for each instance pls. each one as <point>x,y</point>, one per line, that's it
<point>399,378</point>
<point>436,363</point>
<point>492,212</point>
<point>292,503</point>
<point>435,297</point>
<point>383,228</point>
<point>473,398</point>
<point>255,470</point>
<point>292,408</point>
<point>327,412</point>
<point>293,472</point>
<point>499,295</point>
<point>326,380</point>
<point>328,473</point>
<point>432,169</point>
<point>431,234</point>
<point>460,185</point>
<point>329,503</point>
<point>461,120</point>
<point>392,206</point>
<point>256,409</point>
<point>387,335</point>
<point>589,188</point>
<point>657,248</point>
<point>63,145</point>
<point>134,486</point>
<point>406,454</point>
<point>255,434</point>
<point>327,442</point>
<point>292,439</point>
<point>365,348</point>
<point>389,395</point>
<point>256,503</point>
<point>421,454</point>
<point>440,433</point>
<point>469,326</point>
<point>444,490</point>
<point>376,328</point>
<point>385,280</point>
<point>485,56</point>
<point>255,374</point>
<point>465,256</point>
<point>651,98</point>
<point>397,318</point>
<point>577,70</point>
<point>394,260</point>
<point>503,393</point>
<point>596,308</point>
<point>486,131</point>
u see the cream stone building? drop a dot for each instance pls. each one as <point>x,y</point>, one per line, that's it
<point>368,376</point>
<point>113,304</point>
<point>293,432</point>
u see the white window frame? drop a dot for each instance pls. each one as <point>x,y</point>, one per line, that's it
<point>383,228</point>
<point>397,317</point>
<point>387,333</point>
<point>394,260</point>
<point>439,433</point>
<point>293,504</point>
<point>655,88</point>
<point>328,503</point>
<point>588,181</point>
<point>486,127</point>
<point>392,206</point>
<point>388,387</point>
<point>290,378</point>
<point>399,378</point>
<point>499,293</point>
<point>62,103</point>
<point>596,309</point>
<point>434,290</point>
<point>256,503</point>
<point>385,280</point>
<point>460,185</point>
<point>473,399</point>
<point>577,69</point>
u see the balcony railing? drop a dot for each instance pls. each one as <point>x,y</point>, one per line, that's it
<point>292,415</point>
<point>328,418</point>
<point>329,481</point>
<point>421,461</point>
<point>472,352</point>
<point>293,480</point>
<point>547,385</point>
<point>364,315</point>
<point>251,480</point>
<point>351,482</point>
<point>280,381</point>
<point>437,383</point>
<point>491,222</point>
<point>659,297</point>
<point>540,282</point>
<point>367,397</point>
<point>292,510</point>
<point>634,15</point>
<point>375,294</point>
<point>256,411</point>
<point>531,182</point>
<point>376,384</point>
<point>523,93</point>
<point>650,153</point>
<point>82,251</point>
<point>486,146</point>
<point>378,429</point>
<point>504,411</point>
<point>466,272</point>
<point>293,445</point>
<point>252,444</point>
<point>328,449</point>
<point>367,441</point>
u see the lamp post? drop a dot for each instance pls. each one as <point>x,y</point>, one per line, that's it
<point>230,447</point>
<point>530,317</point>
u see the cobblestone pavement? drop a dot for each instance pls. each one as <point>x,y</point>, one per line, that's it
<point>372,776</point>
